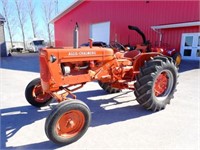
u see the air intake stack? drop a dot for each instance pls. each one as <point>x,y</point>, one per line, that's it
<point>75,44</point>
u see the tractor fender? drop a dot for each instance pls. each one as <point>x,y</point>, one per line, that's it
<point>142,58</point>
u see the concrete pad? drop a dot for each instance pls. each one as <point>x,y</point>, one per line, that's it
<point>118,121</point>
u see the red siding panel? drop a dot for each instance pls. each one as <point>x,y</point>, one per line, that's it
<point>124,13</point>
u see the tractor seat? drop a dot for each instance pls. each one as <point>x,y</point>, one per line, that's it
<point>132,54</point>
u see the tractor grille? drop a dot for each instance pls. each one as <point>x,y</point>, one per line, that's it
<point>44,70</point>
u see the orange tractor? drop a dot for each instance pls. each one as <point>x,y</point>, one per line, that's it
<point>152,77</point>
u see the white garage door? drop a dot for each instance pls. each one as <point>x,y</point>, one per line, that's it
<point>190,46</point>
<point>100,32</point>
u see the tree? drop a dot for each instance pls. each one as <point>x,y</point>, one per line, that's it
<point>31,12</point>
<point>22,18</point>
<point>48,7</point>
<point>10,22</point>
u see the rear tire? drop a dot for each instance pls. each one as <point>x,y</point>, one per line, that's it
<point>68,122</point>
<point>109,89</point>
<point>156,83</point>
<point>34,94</point>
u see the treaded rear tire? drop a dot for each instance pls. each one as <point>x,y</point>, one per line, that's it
<point>147,79</point>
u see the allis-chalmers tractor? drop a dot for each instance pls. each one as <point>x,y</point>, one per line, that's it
<point>152,77</point>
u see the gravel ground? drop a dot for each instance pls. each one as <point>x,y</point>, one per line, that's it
<point>118,121</point>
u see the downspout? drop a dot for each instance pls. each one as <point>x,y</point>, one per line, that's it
<point>160,36</point>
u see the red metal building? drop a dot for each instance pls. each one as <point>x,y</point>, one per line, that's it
<point>172,23</point>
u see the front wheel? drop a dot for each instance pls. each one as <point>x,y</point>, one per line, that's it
<point>156,83</point>
<point>35,95</point>
<point>68,122</point>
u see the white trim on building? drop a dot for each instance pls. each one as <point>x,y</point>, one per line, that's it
<point>2,19</point>
<point>177,25</point>
<point>67,10</point>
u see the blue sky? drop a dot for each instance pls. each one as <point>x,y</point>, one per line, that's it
<point>62,5</point>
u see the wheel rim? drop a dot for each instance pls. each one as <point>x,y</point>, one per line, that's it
<point>70,123</point>
<point>39,95</point>
<point>163,85</point>
<point>178,60</point>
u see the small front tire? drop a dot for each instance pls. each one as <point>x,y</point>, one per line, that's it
<point>68,122</point>
<point>34,94</point>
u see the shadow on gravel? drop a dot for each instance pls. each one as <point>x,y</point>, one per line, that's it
<point>187,65</point>
<point>22,62</point>
<point>120,110</point>
<point>13,119</point>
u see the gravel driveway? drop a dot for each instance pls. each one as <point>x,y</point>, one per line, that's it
<point>118,122</point>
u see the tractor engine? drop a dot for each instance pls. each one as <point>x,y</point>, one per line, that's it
<point>70,66</point>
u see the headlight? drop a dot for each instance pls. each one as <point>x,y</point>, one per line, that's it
<point>52,59</point>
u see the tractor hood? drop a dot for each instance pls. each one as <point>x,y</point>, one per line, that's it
<point>80,54</point>
<point>53,59</point>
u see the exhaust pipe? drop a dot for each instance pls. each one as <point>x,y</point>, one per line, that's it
<point>139,32</point>
<point>75,44</point>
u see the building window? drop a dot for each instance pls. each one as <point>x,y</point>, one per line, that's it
<point>188,40</point>
<point>187,52</point>
<point>198,53</point>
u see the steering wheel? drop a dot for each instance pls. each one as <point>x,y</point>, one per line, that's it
<point>117,46</point>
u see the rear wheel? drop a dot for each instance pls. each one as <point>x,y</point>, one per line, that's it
<point>108,88</point>
<point>156,83</point>
<point>68,122</point>
<point>34,94</point>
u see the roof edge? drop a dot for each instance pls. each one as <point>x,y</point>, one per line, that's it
<point>67,10</point>
<point>177,25</point>
<point>2,19</point>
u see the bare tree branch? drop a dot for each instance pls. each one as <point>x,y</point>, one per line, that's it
<point>31,12</point>
<point>48,7</point>
<point>9,19</point>
<point>22,18</point>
